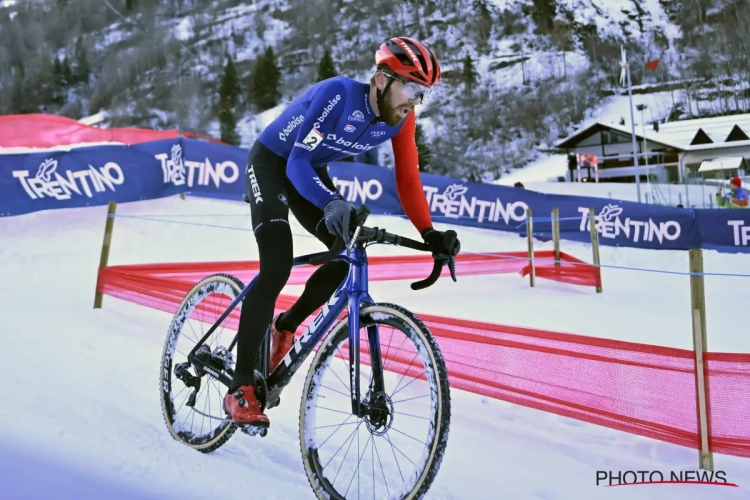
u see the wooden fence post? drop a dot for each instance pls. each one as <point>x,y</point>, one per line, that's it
<point>595,245</point>
<point>104,258</point>
<point>700,346</point>
<point>530,240</point>
<point>556,234</point>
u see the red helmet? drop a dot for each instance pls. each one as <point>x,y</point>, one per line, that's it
<point>409,59</point>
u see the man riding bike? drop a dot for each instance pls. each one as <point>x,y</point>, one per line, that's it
<point>287,169</point>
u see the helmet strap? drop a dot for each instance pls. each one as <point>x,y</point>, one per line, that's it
<point>380,95</point>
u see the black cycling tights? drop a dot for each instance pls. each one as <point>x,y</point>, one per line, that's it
<point>271,197</point>
<point>275,248</point>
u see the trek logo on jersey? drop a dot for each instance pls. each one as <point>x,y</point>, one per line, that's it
<point>293,123</point>
<point>357,116</point>
<point>320,183</point>
<point>350,128</point>
<point>326,111</point>
<point>254,187</point>
<point>49,183</point>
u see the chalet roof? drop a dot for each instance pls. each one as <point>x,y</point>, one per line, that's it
<point>686,135</point>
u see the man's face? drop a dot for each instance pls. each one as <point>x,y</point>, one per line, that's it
<point>396,106</point>
<point>732,187</point>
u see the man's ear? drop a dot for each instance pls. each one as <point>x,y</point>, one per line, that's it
<point>380,80</point>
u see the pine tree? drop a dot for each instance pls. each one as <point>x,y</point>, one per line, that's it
<point>543,13</point>
<point>266,81</point>
<point>230,82</point>
<point>229,91</point>
<point>468,75</point>
<point>66,74</point>
<point>425,155</point>
<point>21,100</point>
<point>83,69</point>
<point>326,68</point>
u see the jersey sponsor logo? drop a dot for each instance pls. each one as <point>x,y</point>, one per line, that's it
<point>347,145</point>
<point>350,128</point>
<point>254,187</point>
<point>357,116</point>
<point>311,141</point>
<point>326,111</point>
<point>295,122</point>
<point>378,133</point>
<point>49,183</point>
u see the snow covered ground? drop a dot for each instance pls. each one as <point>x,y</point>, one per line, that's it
<point>80,385</point>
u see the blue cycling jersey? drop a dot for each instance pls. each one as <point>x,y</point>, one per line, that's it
<point>331,121</point>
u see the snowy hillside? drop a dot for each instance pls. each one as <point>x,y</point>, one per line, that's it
<point>519,74</point>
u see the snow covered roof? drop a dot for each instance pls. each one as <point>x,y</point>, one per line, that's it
<point>686,135</point>
<point>725,163</point>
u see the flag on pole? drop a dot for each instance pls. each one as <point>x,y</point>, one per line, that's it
<point>652,65</point>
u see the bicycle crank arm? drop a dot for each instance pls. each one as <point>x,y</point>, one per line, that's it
<point>200,366</point>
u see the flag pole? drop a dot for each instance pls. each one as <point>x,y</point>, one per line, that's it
<point>626,72</point>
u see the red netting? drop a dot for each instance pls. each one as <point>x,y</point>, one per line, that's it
<point>36,130</point>
<point>642,389</point>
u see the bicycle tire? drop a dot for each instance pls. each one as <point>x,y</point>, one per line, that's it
<point>411,325</point>
<point>220,282</point>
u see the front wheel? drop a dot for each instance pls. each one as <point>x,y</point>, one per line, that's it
<point>395,449</point>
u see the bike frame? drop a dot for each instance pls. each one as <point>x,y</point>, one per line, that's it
<point>351,295</point>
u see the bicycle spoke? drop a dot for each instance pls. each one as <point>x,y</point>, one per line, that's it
<point>340,464</point>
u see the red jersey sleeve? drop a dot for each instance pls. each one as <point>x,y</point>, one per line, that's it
<point>408,182</point>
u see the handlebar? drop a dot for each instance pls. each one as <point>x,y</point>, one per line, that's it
<point>364,235</point>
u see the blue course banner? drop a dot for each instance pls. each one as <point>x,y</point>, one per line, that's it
<point>213,170</point>
<point>84,177</point>
<point>91,176</point>
<point>725,230</point>
<point>620,223</point>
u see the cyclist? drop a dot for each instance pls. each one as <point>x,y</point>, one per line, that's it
<point>287,169</point>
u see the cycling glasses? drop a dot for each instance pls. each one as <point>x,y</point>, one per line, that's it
<point>412,90</point>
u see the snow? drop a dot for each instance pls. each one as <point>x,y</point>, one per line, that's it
<point>541,170</point>
<point>81,385</point>
<point>618,106</point>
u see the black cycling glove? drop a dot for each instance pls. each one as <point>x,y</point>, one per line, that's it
<point>444,245</point>
<point>337,214</point>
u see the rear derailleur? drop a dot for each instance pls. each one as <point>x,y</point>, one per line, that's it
<point>213,364</point>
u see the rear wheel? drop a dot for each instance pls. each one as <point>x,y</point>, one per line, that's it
<point>192,401</point>
<point>392,451</point>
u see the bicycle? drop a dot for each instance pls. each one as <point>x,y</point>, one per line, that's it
<point>373,406</point>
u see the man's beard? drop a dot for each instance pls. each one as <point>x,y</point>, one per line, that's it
<point>391,112</point>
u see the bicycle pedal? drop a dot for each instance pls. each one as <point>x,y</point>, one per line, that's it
<point>253,430</point>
